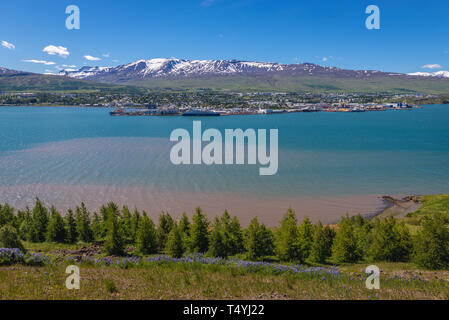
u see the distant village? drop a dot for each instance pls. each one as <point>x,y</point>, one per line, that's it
<point>209,103</point>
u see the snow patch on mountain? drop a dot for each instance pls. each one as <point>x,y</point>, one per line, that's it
<point>174,67</point>
<point>438,74</point>
<point>83,73</point>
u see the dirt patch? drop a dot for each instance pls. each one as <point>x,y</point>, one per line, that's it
<point>399,208</point>
<point>89,251</point>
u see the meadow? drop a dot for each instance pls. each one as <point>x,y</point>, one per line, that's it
<point>203,260</point>
<point>171,280</point>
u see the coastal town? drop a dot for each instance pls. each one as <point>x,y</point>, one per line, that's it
<point>152,110</point>
<point>210,103</point>
<point>260,104</point>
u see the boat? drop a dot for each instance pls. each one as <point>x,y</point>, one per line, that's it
<point>117,112</point>
<point>201,113</point>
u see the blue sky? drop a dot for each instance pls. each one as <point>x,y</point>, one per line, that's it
<point>413,33</point>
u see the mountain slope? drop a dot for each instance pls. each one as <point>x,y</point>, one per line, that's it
<point>243,75</point>
<point>19,81</point>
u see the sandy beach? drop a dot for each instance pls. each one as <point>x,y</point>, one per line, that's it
<point>269,210</point>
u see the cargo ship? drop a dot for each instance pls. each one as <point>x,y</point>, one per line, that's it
<point>201,113</point>
<point>144,112</point>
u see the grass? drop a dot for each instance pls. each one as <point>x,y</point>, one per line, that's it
<point>46,247</point>
<point>430,204</point>
<point>433,204</point>
<point>175,281</point>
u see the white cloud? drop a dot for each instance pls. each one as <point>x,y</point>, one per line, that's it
<point>106,55</point>
<point>324,59</point>
<point>47,63</point>
<point>90,58</point>
<point>115,61</point>
<point>431,66</point>
<point>8,45</point>
<point>56,50</point>
<point>69,66</point>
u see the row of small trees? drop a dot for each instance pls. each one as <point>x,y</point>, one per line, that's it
<point>353,239</point>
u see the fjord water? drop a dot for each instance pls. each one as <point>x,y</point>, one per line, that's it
<point>329,163</point>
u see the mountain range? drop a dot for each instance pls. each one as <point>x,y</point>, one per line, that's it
<point>235,75</point>
<point>176,68</point>
<point>244,75</point>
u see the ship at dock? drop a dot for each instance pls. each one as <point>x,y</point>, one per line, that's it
<point>201,113</point>
<point>144,112</point>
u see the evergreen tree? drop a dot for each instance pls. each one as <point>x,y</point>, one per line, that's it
<point>390,241</point>
<point>226,238</point>
<point>82,218</point>
<point>305,238</point>
<point>175,242</point>
<point>71,233</point>
<point>114,243</point>
<point>9,238</point>
<point>198,241</point>
<point>7,216</point>
<point>135,220</point>
<point>97,227</point>
<point>259,241</point>
<point>25,225</point>
<point>329,234</point>
<point>322,243</point>
<point>163,229</point>
<point>56,231</point>
<point>39,222</point>
<point>344,248</point>
<point>126,224</point>
<point>217,240</point>
<point>184,224</point>
<point>112,207</point>
<point>21,216</point>
<point>431,250</point>
<point>363,233</point>
<point>146,241</point>
<point>236,239</point>
<point>288,247</point>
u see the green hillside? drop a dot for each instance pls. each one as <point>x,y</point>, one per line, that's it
<point>316,84</point>
<point>30,82</point>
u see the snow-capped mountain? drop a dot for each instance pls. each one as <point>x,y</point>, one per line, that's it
<point>176,68</point>
<point>8,71</point>
<point>155,68</point>
<point>438,74</point>
<point>82,73</point>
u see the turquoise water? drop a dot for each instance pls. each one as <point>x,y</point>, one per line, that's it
<point>320,154</point>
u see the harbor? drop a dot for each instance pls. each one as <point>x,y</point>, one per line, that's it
<point>187,111</point>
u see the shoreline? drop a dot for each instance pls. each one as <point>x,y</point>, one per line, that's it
<point>399,207</point>
<point>269,210</point>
